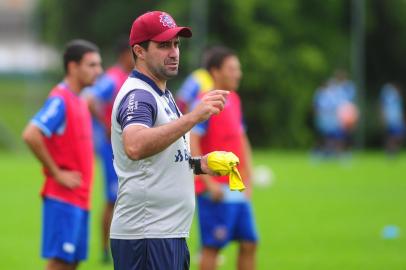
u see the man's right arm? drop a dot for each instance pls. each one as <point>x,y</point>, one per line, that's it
<point>50,119</point>
<point>141,142</point>
<point>33,137</point>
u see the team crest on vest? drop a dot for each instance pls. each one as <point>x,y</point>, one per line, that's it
<point>167,20</point>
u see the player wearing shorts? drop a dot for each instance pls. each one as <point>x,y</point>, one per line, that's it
<point>101,98</point>
<point>225,216</point>
<point>60,136</point>
<point>393,117</point>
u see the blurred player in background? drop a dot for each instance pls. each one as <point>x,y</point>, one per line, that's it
<point>347,110</point>
<point>101,98</point>
<point>336,114</point>
<point>393,118</point>
<point>199,81</point>
<point>60,136</point>
<point>225,216</point>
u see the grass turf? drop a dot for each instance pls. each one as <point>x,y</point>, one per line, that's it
<point>315,215</point>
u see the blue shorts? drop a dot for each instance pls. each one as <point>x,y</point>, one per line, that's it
<point>150,254</point>
<point>337,134</point>
<point>105,153</point>
<point>222,222</point>
<point>393,130</point>
<point>65,231</point>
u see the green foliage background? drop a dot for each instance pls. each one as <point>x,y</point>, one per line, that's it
<point>287,48</point>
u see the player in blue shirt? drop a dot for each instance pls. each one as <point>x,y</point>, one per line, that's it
<point>100,98</point>
<point>325,104</point>
<point>393,118</point>
<point>199,81</point>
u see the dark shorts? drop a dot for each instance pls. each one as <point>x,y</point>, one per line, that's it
<point>397,131</point>
<point>150,254</point>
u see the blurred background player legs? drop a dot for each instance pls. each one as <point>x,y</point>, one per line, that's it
<point>100,99</point>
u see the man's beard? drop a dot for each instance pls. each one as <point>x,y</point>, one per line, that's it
<point>170,73</point>
<point>164,73</point>
<point>86,83</point>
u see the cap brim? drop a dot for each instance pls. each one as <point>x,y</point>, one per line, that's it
<point>173,32</point>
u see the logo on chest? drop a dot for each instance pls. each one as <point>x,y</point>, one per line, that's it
<point>182,155</point>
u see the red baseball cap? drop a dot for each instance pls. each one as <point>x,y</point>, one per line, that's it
<point>156,26</point>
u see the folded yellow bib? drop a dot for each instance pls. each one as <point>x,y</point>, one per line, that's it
<point>225,163</point>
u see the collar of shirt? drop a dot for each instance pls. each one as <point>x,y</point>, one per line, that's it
<point>145,78</point>
<point>63,85</point>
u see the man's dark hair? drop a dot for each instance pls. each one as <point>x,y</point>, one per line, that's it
<point>143,44</point>
<point>75,50</point>
<point>216,56</point>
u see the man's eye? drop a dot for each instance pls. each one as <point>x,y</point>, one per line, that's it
<point>164,45</point>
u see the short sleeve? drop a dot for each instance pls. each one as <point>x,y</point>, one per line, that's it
<point>138,107</point>
<point>51,117</point>
<point>103,89</point>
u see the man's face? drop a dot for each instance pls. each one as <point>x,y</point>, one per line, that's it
<point>162,58</point>
<point>228,76</point>
<point>88,69</point>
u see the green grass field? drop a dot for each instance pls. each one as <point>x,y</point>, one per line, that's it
<point>315,215</point>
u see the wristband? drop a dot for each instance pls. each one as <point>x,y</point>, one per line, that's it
<point>195,165</point>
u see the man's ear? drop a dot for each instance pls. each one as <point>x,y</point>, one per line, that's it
<point>214,72</point>
<point>72,67</point>
<point>139,51</point>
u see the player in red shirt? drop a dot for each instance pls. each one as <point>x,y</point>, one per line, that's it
<point>225,216</point>
<point>101,97</point>
<point>60,136</point>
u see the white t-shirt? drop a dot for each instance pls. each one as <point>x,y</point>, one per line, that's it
<point>156,195</point>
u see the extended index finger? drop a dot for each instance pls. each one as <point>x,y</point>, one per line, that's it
<point>219,92</point>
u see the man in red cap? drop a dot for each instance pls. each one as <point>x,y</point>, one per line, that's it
<point>150,140</point>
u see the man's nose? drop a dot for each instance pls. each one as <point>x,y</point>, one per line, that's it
<point>174,52</point>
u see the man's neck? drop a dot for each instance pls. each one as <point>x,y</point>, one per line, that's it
<point>160,83</point>
<point>73,85</point>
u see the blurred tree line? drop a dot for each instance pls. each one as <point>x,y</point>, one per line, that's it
<point>287,49</point>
